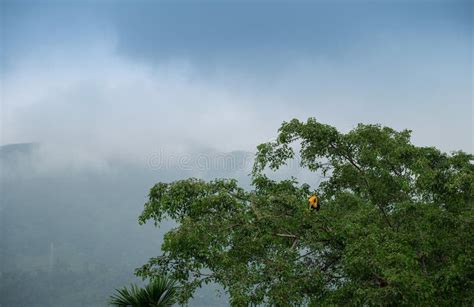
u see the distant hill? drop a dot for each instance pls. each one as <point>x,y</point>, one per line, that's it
<point>14,157</point>
<point>13,150</point>
<point>69,238</point>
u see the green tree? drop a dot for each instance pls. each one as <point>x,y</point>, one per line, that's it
<point>395,227</point>
<point>160,292</point>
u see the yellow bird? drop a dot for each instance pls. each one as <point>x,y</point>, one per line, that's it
<point>314,202</point>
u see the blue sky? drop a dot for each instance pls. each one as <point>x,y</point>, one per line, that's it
<point>127,77</point>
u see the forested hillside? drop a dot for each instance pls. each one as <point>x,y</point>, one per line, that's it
<point>69,236</point>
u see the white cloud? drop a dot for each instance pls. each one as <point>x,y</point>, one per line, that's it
<point>97,104</point>
<point>105,104</point>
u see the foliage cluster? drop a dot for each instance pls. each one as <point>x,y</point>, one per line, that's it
<point>160,292</point>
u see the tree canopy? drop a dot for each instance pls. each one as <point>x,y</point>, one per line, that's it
<point>395,225</point>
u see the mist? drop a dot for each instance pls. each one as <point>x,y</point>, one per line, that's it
<point>101,101</point>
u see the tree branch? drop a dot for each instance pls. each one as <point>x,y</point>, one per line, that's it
<point>286,235</point>
<point>353,163</point>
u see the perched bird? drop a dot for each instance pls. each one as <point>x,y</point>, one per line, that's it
<point>314,202</point>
